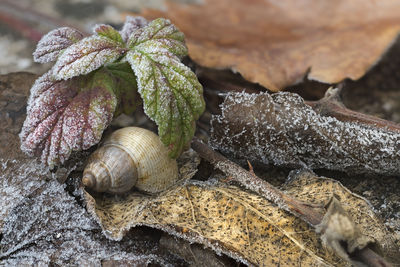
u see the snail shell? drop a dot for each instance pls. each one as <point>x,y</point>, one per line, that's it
<point>130,157</point>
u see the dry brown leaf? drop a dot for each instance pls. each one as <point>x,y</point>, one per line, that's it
<point>19,175</point>
<point>227,219</point>
<point>240,224</point>
<point>275,43</point>
<point>281,129</point>
<point>306,186</point>
<point>49,228</point>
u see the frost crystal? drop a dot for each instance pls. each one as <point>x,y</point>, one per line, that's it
<point>281,129</point>
<point>172,95</point>
<point>49,228</point>
<point>131,25</point>
<point>87,55</point>
<point>51,44</point>
<point>159,35</point>
<point>66,116</point>
<point>108,32</point>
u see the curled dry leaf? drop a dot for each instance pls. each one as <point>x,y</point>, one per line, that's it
<point>277,43</point>
<point>244,226</point>
<point>237,223</point>
<point>281,129</point>
<point>338,228</point>
<point>306,186</point>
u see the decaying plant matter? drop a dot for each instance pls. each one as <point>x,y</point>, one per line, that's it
<point>276,44</point>
<point>355,243</point>
<point>99,76</point>
<point>281,129</point>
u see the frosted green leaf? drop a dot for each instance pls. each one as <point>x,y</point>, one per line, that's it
<point>87,55</point>
<point>172,95</point>
<point>159,34</point>
<point>108,32</point>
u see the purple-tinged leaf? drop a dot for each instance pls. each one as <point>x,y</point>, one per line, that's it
<point>51,44</point>
<point>131,25</point>
<point>65,116</point>
<point>108,32</point>
<point>86,56</point>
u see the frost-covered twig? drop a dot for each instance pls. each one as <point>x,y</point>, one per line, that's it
<point>300,209</point>
<point>249,180</point>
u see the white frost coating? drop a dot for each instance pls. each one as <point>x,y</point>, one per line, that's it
<point>131,25</point>
<point>85,56</point>
<point>158,35</point>
<point>14,189</point>
<point>281,129</point>
<point>51,44</point>
<point>171,93</point>
<point>61,118</point>
<point>42,225</point>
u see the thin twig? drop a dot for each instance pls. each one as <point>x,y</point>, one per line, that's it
<point>308,213</point>
<point>254,183</point>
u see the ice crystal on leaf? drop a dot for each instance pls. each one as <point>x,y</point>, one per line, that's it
<point>50,46</point>
<point>108,32</point>
<point>171,93</point>
<point>99,75</point>
<point>87,55</point>
<point>131,25</point>
<point>66,116</point>
<point>159,34</point>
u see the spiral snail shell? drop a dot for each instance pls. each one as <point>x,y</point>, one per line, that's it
<point>130,157</point>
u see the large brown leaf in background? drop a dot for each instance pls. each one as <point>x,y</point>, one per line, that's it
<point>275,43</point>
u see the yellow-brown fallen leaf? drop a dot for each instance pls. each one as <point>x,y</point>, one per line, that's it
<point>240,224</point>
<point>275,43</point>
<point>230,220</point>
<point>313,189</point>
